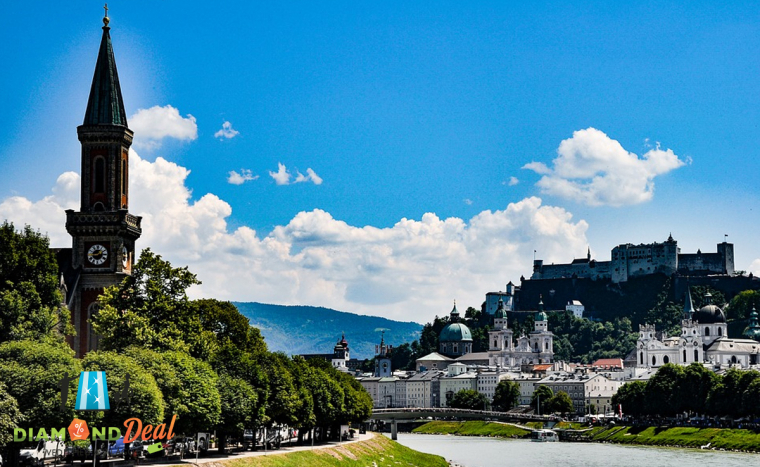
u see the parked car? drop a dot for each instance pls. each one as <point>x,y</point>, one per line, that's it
<point>117,448</point>
<point>36,454</point>
<point>137,450</point>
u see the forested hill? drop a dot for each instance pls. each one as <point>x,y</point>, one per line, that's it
<point>308,329</point>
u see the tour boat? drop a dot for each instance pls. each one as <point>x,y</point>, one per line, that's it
<point>543,436</point>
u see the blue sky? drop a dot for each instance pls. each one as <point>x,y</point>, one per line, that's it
<point>402,110</point>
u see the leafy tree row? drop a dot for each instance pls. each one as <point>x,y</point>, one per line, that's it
<point>197,359</point>
<point>694,390</point>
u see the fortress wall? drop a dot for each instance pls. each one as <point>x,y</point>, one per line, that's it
<point>698,262</point>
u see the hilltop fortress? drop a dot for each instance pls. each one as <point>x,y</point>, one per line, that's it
<point>630,261</point>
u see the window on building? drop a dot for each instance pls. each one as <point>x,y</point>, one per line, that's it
<point>100,175</point>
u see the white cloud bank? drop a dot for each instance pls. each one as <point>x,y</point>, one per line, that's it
<point>226,132</point>
<point>245,175</point>
<point>593,169</point>
<point>754,268</point>
<point>282,176</point>
<point>410,271</point>
<point>152,125</point>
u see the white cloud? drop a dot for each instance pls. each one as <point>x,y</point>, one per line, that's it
<point>467,201</point>
<point>410,270</point>
<point>593,169</point>
<point>226,132</point>
<point>152,125</point>
<point>282,176</point>
<point>754,268</point>
<point>48,214</point>
<point>245,175</point>
<point>513,181</point>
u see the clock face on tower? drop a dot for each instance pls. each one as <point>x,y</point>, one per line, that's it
<point>97,254</point>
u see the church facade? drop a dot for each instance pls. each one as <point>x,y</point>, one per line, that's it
<point>535,348</point>
<point>103,231</point>
<point>703,339</point>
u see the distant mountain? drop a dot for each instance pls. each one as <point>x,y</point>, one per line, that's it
<point>309,329</point>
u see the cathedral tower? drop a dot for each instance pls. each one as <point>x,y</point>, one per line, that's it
<point>103,231</point>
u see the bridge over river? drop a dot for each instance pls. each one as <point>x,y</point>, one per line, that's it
<point>402,414</point>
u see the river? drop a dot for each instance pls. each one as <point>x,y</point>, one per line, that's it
<point>470,451</point>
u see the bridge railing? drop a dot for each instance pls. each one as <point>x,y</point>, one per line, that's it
<point>454,412</point>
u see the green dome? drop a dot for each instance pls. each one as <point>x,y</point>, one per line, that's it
<point>455,332</point>
<point>500,313</point>
<point>541,316</point>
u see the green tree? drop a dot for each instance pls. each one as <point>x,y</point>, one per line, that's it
<point>469,399</point>
<point>695,386</point>
<point>30,301</point>
<point>150,309</point>
<point>662,393</point>
<point>742,303</point>
<point>188,386</point>
<point>541,399</point>
<point>32,373</point>
<point>561,403</point>
<point>506,395</point>
<point>282,405</point>
<point>10,416</point>
<point>238,407</point>
<point>632,397</point>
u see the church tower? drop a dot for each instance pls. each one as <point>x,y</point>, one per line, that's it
<point>103,230</point>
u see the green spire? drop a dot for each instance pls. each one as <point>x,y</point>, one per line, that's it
<point>753,330</point>
<point>688,306</point>
<point>105,106</point>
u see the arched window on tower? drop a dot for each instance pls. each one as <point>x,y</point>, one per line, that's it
<point>684,355</point>
<point>696,355</point>
<point>654,360</point>
<point>720,331</point>
<point>641,358</point>
<point>665,360</point>
<point>100,175</point>
<point>707,332</point>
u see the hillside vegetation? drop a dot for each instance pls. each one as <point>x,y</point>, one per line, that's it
<point>309,329</point>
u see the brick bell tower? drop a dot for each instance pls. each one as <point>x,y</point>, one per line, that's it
<point>103,230</point>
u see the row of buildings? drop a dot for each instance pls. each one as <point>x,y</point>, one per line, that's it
<point>529,361</point>
<point>590,388</point>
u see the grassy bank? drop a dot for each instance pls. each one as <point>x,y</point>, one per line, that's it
<point>719,438</point>
<point>378,450</point>
<point>473,428</point>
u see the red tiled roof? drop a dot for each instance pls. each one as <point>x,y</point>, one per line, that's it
<point>608,363</point>
<point>542,367</point>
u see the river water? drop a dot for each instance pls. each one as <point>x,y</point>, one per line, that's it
<point>490,452</point>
